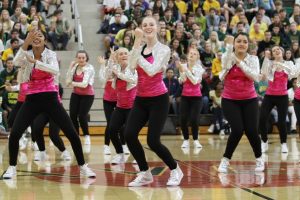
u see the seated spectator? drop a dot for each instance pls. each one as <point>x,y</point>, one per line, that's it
<point>33,12</point>
<point>16,16</point>
<point>264,18</point>
<point>124,18</point>
<point>6,22</point>
<point>251,9</point>
<point>237,18</point>
<point>222,32</point>
<point>162,35</point>
<point>6,6</point>
<point>295,49</point>
<point>12,51</point>
<point>268,5</point>
<point>240,28</point>
<point>163,25</point>
<point>194,5</point>
<point>208,4</point>
<point>266,43</point>
<point>218,118</point>
<point>206,58</point>
<point>24,23</point>
<point>173,86</point>
<point>213,40</point>
<point>175,13</point>
<point>216,67</point>
<point>9,73</point>
<point>276,35</point>
<point>20,4</point>
<point>60,31</point>
<point>256,35</point>
<point>112,31</point>
<point>212,20</point>
<point>288,55</point>
<point>231,8</point>
<point>200,19</point>
<point>158,6</point>
<point>14,35</point>
<point>294,34</point>
<point>10,99</point>
<point>182,7</point>
<point>176,47</point>
<point>283,17</point>
<point>169,20</point>
<point>17,26</point>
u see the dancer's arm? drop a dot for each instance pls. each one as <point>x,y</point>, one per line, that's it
<point>250,67</point>
<point>227,59</point>
<point>128,75</point>
<point>195,76</point>
<point>88,76</point>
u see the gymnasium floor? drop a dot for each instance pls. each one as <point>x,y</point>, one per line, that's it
<point>57,179</point>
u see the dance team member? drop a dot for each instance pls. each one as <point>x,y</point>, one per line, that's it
<point>151,103</point>
<point>277,71</point>
<point>191,97</point>
<point>239,99</point>
<point>124,81</point>
<point>81,76</point>
<point>39,66</point>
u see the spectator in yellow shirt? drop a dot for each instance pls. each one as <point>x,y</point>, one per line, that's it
<point>10,52</point>
<point>217,65</point>
<point>256,35</point>
<point>211,4</point>
<point>181,5</point>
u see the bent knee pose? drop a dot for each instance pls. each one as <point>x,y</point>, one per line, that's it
<point>151,103</point>
<point>239,99</point>
<point>191,97</point>
<point>124,81</point>
<point>38,67</point>
<point>81,76</point>
<point>277,71</point>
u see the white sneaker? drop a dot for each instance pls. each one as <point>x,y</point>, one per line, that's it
<point>260,178</point>
<point>10,172</point>
<point>176,176</point>
<point>211,128</point>
<point>34,146</point>
<point>40,156</point>
<point>264,146</point>
<point>197,144</point>
<point>223,167</point>
<point>86,171</point>
<point>143,178</point>
<point>87,140</point>
<point>284,148</point>
<point>260,164</point>
<point>106,150</point>
<point>118,159</point>
<point>185,144</point>
<point>51,143</point>
<point>125,149</point>
<point>23,143</point>
<point>65,155</point>
<point>222,132</point>
<point>134,162</point>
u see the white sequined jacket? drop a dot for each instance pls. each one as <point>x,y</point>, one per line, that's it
<point>194,75</point>
<point>48,64</point>
<point>88,76</point>
<point>250,65</point>
<point>161,54</point>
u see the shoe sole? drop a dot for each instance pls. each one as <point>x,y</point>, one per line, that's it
<point>146,183</point>
<point>88,176</point>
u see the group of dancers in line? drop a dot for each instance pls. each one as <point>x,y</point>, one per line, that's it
<point>135,94</point>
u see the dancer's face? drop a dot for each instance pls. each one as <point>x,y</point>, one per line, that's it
<point>277,53</point>
<point>193,55</point>
<point>39,40</point>
<point>149,27</point>
<point>241,44</point>
<point>81,59</point>
<point>122,57</point>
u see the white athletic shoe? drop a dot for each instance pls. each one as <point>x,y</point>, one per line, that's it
<point>223,167</point>
<point>23,143</point>
<point>51,143</point>
<point>264,146</point>
<point>87,140</point>
<point>176,176</point>
<point>143,178</point>
<point>34,146</point>
<point>65,155</point>
<point>284,148</point>
<point>125,149</point>
<point>118,159</point>
<point>106,150</point>
<point>260,164</point>
<point>222,132</point>
<point>40,156</point>
<point>86,171</point>
<point>10,172</point>
<point>185,144</point>
<point>211,128</point>
<point>197,144</point>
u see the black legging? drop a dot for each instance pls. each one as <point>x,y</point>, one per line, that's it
<point>117,122</point>
<point>38,126</point>
<point>80,106</point>
<point>155,111</point>
<point>269,102</point>
<point>109,107</point>
<point>190,108</point>
<point>297,108</point>
<point>242,115</point>
<point>35,104</point>
<point>12,117</point>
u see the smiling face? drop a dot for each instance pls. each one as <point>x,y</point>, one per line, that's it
<point>241,44</point>
<point>277,53</point>
<point>39,40</point>
<point>149,27</point>
<point>122,57</point>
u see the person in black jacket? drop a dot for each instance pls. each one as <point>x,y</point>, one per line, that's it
<point>173,86</point>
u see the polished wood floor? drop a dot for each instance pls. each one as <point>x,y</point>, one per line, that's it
<point>57,179</point>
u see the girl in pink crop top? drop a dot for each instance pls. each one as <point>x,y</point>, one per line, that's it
<point>277,71</point>
<point>191,101</point>
<point>239,99</point>
<point>81,76</point>
<point>39,66</point>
